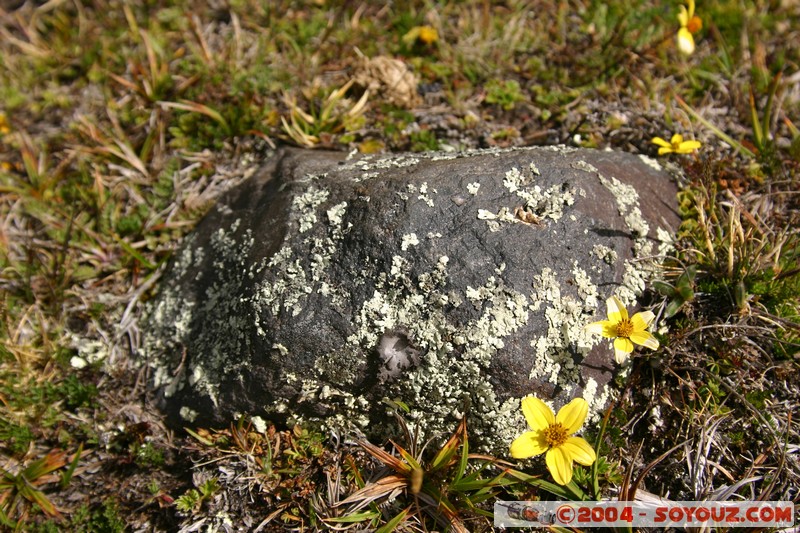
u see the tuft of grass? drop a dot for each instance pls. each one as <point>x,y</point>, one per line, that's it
<point>328,116</point>
<point>21,488</point>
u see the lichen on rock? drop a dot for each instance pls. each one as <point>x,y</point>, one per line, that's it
<point>454,282</point>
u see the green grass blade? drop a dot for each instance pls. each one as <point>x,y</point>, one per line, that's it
<point>394,522</point>
<point>736,145</point>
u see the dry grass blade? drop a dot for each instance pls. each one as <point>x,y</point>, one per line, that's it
<point>25,47</point>
<point>697,467</point>
<point>296,133</point>
<point>631,492</point>
<point>393,462</point>
<point>625,491</point>
<point>385,486</point>
<point>110,146</point>
<point>194,107</point>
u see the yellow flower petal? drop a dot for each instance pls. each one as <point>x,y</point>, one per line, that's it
<point>687,147</point>
<point>580,451</point>
<point>572,415</point>
<point>606,328</point>
<point>622,347</point>
<point>529,444</point>
<point>685,41</point>
<point>676,139</point>
<point>622,344</point>
<point>560,465</point>
<point>538,415</point>
<point>683,16</point>
<point>664,150</point>
<point>661,142</point>
<point>616,311</point>
<point>646,339</point>
<point>642,320</point>
<point>428,35</point>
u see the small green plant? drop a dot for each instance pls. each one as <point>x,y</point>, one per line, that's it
<point>106,518</point>
<point>148,456</point>
<point>75,393</point>
<point>16,438</point>
<point>193,499</point>
<point>423,141</point>
<point>506,94</point>
<point>449,488</point>
<point>679,293</point>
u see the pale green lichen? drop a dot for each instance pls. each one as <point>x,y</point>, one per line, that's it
<point>188,414</point>
<point>336,213</point>
<point>423,194</point>
<point>566,316</point>
<point>537,203</point>
<point>493,220</point>
<point>587,290</point>
<point>305,206</point>
<point>439,380</point>
<point>608,255</point>
<point>408,241</point>
<point>650,162</point>
<point>666,242</point>
<point>596,401</point>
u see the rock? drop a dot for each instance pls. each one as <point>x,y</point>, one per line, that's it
<point>326,283</point>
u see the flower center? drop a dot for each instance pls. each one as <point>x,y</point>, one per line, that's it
<point>555,435</point>
<point>695,24</point>
<point>624,328</point>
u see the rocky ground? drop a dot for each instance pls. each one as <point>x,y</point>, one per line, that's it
<point>120,124</point>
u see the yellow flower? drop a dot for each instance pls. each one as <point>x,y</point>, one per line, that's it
<point>425,34</point>
<point>551,435</point>
<point>625,331</point>
<point>428,35</point>
<point>4,129</point>
<point>690,23</point>
<point>676,145</point>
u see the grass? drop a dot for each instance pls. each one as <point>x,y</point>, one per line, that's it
<point>120,125</point>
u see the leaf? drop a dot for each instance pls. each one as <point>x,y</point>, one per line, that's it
<point>718,132</point>
<point>194,107</point>
<point>445,455</point>
<point>394,522</point>
<point>410,459</point>
<point>354,517</point>
<point>202,440</point>
<point>374,491</point>
<point>41,467</point>
<point>66,477</point>
<point>42,501</point>
<point>385,457</point>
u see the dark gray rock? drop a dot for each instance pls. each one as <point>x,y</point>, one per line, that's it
<point>325,283</point>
